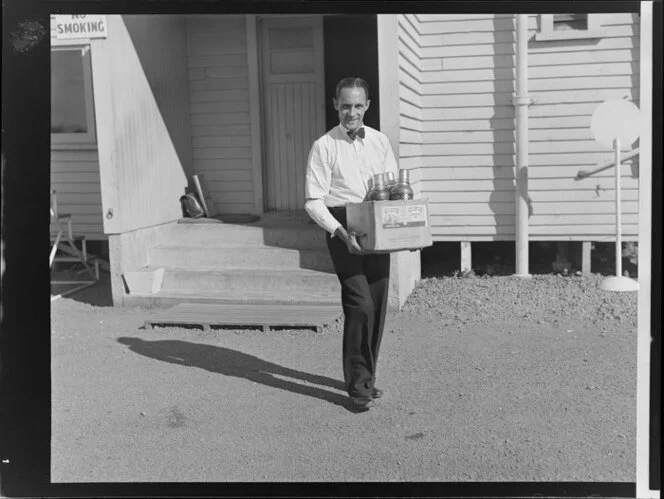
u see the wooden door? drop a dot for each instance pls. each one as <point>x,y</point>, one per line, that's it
<point>293,104</point>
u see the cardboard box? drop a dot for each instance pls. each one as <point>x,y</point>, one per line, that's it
<point>390,225</point>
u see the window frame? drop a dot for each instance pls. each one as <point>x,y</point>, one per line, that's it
<point>89,138</point>
<point>546,30</point>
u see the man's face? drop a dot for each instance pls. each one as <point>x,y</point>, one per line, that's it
<point>351,106</point>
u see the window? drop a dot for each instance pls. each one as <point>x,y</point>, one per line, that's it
<point>292,50</point>
<point>72,113</point>
<point>569,27</point>
<point>568,22</point>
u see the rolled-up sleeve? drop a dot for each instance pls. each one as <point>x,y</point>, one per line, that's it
<point>319,173</point>
<point>320,214</point>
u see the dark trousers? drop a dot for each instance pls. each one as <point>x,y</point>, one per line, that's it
<point>364,286</point>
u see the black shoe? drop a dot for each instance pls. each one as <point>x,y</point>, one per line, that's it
<point>376,393</point>
<point>362,402</point>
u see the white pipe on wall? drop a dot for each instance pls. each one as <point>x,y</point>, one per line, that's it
<point>521,101</point>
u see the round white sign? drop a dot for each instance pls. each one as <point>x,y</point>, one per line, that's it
<point>616,119</point>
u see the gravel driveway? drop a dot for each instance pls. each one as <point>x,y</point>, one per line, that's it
<point>486,379</point>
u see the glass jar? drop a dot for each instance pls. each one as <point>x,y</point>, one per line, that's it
<point>378,192</point>
<point>402,190</point>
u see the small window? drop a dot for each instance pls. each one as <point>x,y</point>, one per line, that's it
<point>569,27</point>
<point>570,22</point>
<point>72,113</point>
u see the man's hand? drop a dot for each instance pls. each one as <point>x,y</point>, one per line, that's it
<point>351,240</point>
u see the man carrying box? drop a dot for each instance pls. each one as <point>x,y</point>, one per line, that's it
<point>340,166</point>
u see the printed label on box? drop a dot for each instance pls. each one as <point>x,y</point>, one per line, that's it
<point>404,216</point>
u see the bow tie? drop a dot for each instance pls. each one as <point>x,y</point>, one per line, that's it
<point>357,133</point>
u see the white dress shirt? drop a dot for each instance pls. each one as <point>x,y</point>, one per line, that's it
<point>339,171</point>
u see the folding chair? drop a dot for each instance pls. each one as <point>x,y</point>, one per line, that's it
<point>62,223</point>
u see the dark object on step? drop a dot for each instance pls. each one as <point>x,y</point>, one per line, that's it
<point>191,205</point>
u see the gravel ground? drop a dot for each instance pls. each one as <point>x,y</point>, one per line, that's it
<point>486,379</point>
<point>539,299</point>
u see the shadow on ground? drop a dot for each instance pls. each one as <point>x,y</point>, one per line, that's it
<point>98,295</point>
<point>230,362</point>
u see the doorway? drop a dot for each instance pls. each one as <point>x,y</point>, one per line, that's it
<point>351,49</point>
<point>302,59</point>
<point>293,105</point>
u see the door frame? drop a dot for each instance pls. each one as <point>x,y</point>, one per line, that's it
<point>259,93</point>
<point>255,110</point>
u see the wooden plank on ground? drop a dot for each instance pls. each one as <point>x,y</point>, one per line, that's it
<point>261,315</point>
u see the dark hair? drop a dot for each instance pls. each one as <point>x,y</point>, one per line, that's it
<point>352,82</point>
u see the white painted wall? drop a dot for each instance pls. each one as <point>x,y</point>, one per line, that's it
<point>143,134</point>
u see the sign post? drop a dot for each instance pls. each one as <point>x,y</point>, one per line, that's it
<point>614,123</point>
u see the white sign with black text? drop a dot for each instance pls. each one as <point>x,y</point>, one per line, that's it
<point>80,26</point>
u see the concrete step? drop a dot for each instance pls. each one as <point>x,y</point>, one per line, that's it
<point>242,281</point>
<point>229,257</point>
<point>295,235</point>
<point>170,298</point>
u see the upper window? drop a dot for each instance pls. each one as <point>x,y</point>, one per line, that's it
<point>72,113</point>
<point>569,27</point>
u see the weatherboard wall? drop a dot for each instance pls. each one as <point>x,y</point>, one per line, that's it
<point>468,129</point>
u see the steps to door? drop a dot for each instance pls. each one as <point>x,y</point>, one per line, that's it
<point>273,262</point>
<point>239,257</point>
<point>242,280</point>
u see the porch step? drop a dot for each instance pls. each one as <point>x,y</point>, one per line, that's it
<point>297,234</point>
<point>170,298</point>
<point>228,257</point>
<point>242,281</point>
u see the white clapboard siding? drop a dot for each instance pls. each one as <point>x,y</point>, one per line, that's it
<point>567,86</point>
<point>222,166</point>
<point>467,75</point>
<point>408,123</point>
<point>483,167</point>
<point>540,189</point>
<point>221,130</point>
<point>461,112</point>
<point>75,177</point>
<point>202,119</point>
<point>410,99</point>
<point>219,99</point>
<point>501,161</point>
<point>432,65</point>
<point>470,23</point>
<point>470,38</point>
<point>590,70</point>
<point>211,153</point>
<point>504,191</point>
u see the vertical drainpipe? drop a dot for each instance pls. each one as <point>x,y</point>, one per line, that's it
<point>521,101</point>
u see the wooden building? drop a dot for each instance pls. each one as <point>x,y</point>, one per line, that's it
<point>241,98</point>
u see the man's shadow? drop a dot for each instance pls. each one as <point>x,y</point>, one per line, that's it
<point>229,362</point>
